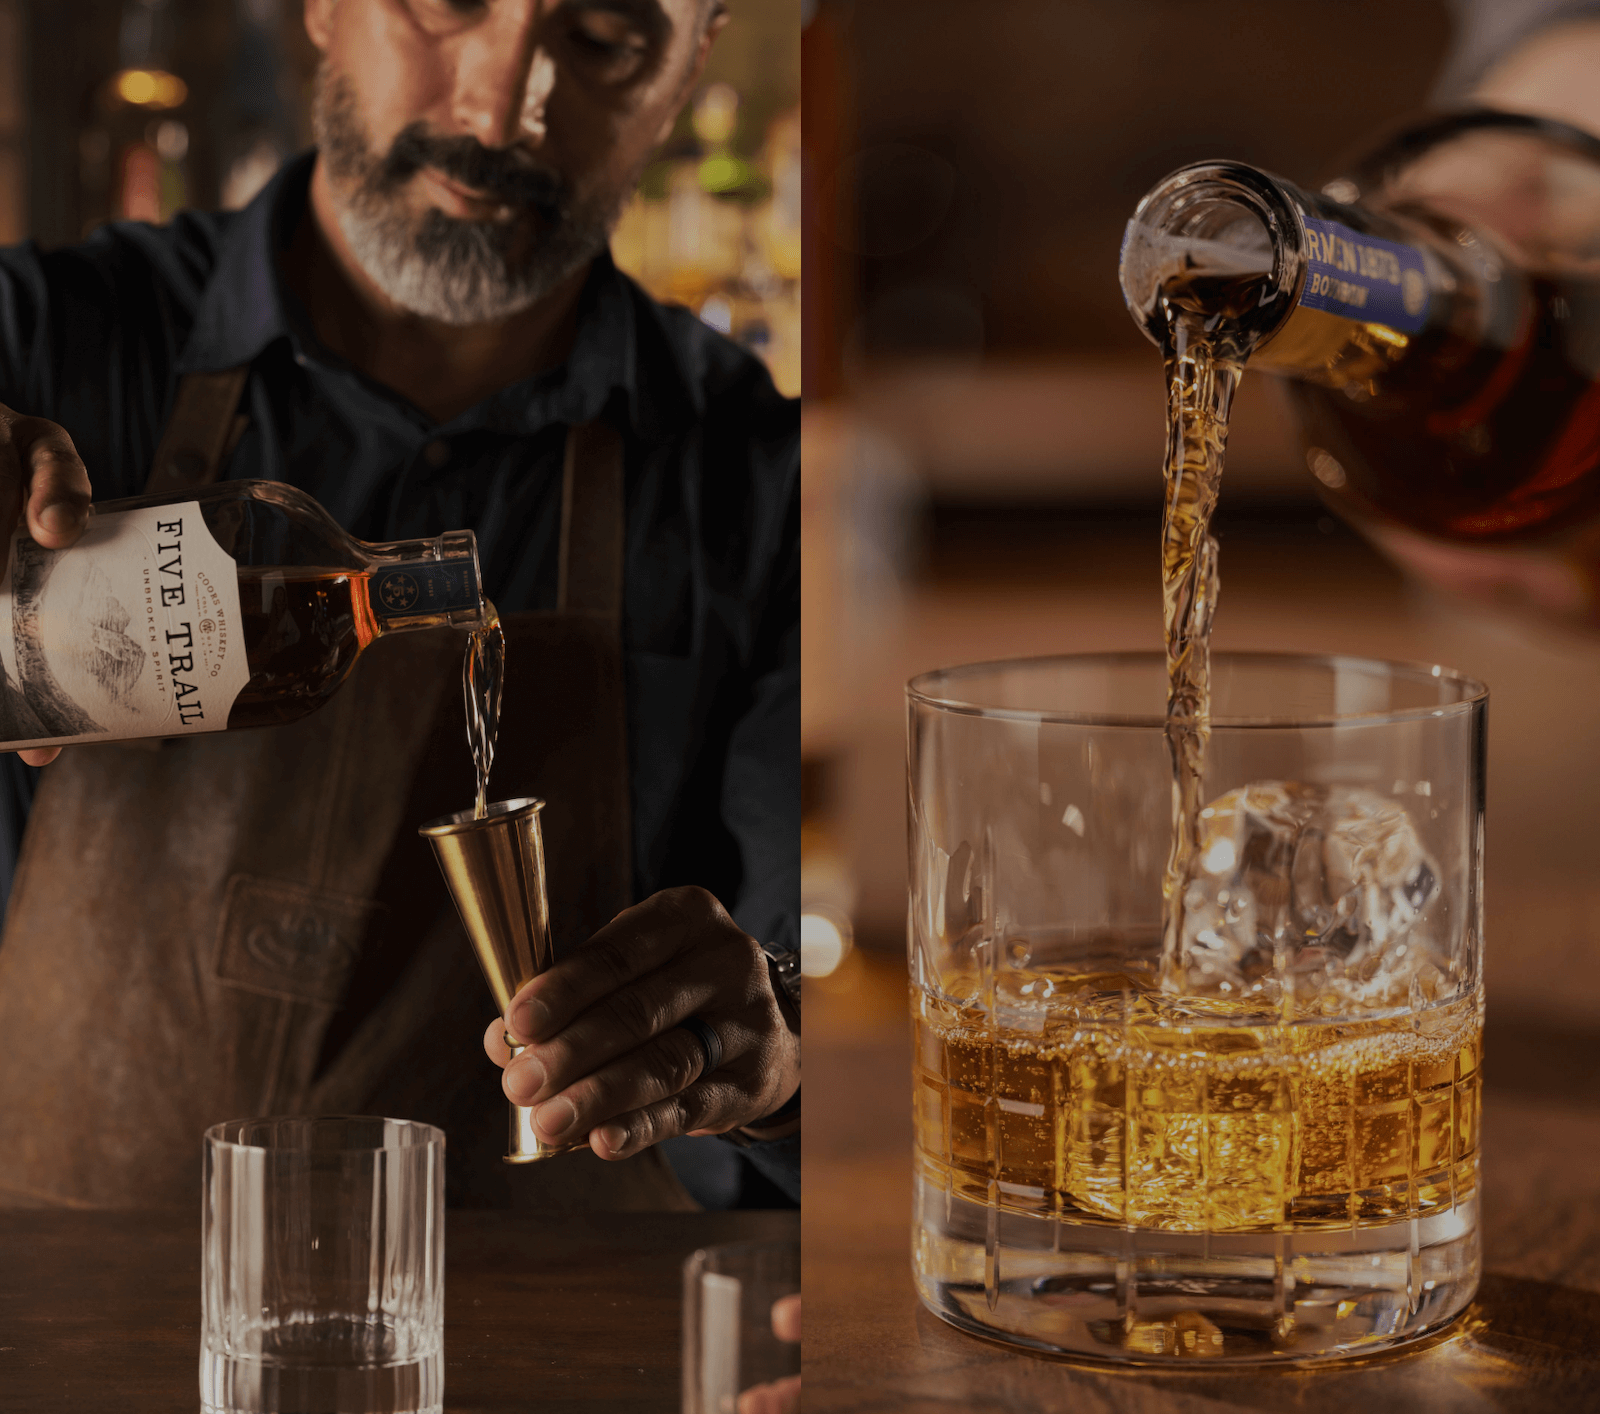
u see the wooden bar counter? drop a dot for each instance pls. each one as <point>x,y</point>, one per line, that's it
<point>556,1313</point>
<point>1530,1344</point>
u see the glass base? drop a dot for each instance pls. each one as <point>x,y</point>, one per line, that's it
<point>1152,1297</point>
<point>325,1372</point>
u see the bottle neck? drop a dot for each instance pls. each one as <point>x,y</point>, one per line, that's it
<point>1342,295</point>
<point>425,583</point>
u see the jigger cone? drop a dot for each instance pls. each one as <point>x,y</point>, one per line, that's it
<point>495,870</point>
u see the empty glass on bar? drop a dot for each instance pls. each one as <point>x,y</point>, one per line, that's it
<point>1255,1142</point>
<point>322,1271</point>
<point>736,1350</point>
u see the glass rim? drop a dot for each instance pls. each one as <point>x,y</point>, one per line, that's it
<point>496,813</point>
<point>749,1244</point>
<point>1474,692</point>
<point>698,1260</point>
<point>214,1135</point>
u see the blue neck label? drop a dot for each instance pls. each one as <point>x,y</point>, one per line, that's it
<point>424,587</point>
<point>1362,277</point>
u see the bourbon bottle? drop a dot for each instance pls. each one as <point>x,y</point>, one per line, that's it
<point>236,605</point>
<point>1438,313</point>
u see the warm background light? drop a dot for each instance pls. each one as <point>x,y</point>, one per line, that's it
<point>150,88</point>
<point>716,222</point>
<point>824,943</point>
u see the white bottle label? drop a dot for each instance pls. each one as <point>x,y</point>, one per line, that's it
<point>132,632</point>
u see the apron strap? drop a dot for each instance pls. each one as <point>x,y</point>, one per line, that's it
<point>201,431</point>
<point>593,536</point>
<point>592,523</point>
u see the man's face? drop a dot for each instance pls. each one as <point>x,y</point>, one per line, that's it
<point>477,152</point>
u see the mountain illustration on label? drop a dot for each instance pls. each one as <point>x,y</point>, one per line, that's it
<point>74,655</point>
<point>110,657</point>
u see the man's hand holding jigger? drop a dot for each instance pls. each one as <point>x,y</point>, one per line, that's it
<point>608,1053</point>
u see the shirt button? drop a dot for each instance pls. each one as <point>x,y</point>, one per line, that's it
<point>436,454</point>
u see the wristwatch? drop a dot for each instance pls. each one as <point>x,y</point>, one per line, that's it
<point>784,965</point>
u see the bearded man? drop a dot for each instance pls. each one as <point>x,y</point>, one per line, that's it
<point>419,324</point>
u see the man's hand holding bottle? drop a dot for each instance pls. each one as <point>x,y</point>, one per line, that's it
<point>44,484</point>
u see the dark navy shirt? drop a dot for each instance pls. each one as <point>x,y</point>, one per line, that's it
<point>95,338</point>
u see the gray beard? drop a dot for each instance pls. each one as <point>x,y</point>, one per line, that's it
<point>453,271</point>
<point>457,272</point>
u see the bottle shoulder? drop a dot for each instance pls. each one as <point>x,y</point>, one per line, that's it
<point>274,493</point>
<point>260,523</point>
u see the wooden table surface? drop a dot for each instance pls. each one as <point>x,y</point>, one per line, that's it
<point>1529,1345</point>
<point>557,1314</point>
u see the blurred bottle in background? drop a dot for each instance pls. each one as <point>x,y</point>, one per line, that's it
<point>134,145</point>
<point>154,139</point>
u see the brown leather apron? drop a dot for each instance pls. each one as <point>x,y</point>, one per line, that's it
<point>246,923</point>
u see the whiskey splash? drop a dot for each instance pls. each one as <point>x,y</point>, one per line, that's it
<point>482,677</point>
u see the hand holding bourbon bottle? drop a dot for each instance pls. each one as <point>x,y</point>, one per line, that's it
<point>1439,312</point>
<point>235,605</point>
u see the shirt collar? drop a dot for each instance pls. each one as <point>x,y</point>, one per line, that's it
<point>245,307</point>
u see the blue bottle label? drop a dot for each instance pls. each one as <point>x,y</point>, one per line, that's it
<point>1362,277</point>
<point>423,588</point>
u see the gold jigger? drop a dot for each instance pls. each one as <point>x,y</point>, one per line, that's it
<point>495,870</point>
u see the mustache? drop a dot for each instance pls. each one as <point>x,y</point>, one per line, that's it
<point>504,174</point>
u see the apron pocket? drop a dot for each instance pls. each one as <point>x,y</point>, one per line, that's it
<point>282,939</point>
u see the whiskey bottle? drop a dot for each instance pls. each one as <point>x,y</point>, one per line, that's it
<point>1438,313</point>
<point>236,605</point>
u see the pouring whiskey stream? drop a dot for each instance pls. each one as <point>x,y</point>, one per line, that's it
<point>492,857</point>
